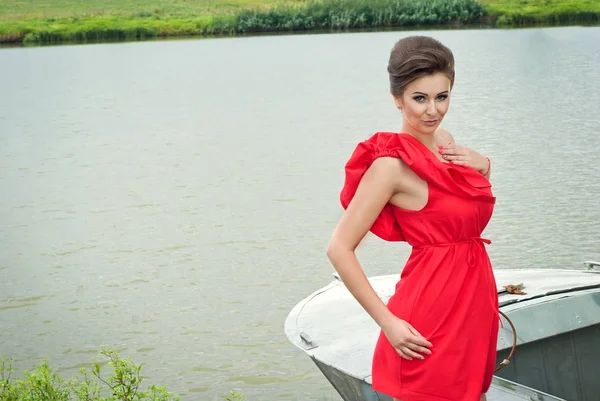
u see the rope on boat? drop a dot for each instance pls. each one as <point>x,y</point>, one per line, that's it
<point>512,351</point>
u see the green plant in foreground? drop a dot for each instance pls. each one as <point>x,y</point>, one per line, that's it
<point>43,384</point>
<point>234,396</point>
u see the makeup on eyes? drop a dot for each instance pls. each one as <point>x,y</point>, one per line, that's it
<point>420,96</point>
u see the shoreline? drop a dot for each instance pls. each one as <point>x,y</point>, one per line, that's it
<point>18,44</point>
<point>319,17</point>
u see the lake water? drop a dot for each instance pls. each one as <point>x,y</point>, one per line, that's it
<point>173,199</point>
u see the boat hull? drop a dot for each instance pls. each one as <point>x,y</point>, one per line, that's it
<point>353,389</point>
<point>561,307</point>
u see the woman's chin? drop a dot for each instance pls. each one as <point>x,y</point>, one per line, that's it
<point>428,129</point>
<point>421,128</point>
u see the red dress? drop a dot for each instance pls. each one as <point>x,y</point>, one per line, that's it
<point>447,289</point>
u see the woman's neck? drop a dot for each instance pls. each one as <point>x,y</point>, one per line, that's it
<point>427,139</point>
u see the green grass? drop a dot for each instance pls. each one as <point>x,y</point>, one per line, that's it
<point>527,12</point>
<point>16,10</point>
<point>54,21</point>
<point>107,28</point>
<point>123,21</point>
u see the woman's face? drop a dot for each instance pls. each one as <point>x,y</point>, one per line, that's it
<point>424,103</point>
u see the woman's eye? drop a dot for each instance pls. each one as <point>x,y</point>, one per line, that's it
<point>442,97</point>
<point>419,98</point>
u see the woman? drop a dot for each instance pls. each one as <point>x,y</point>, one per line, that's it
<point>439,329</point>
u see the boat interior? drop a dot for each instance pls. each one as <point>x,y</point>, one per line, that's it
<point>558,346</point>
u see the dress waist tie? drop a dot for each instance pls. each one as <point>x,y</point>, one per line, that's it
<point>471,242</point>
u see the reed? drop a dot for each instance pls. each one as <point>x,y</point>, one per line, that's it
<point>356,14</point>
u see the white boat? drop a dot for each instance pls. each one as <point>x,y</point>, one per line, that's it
<point>556,349</point>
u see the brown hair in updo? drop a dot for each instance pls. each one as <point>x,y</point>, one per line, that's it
<point>417,56</point>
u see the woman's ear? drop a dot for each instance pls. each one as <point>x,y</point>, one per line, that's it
<point>398,102</point>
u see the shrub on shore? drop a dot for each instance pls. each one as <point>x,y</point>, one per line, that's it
<point>44,384</point>
<point>356,14</point>
<point>123,384</point>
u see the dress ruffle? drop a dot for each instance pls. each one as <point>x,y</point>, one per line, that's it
<point>458,180</point>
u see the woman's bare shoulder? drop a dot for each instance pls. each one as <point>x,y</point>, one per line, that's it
<point>392,173</point>
<point>389,167</point>
<point>444,136</point>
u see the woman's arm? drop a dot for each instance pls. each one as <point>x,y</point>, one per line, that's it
<point>376,187</point>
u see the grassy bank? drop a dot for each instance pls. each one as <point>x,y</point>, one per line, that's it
<point>547,12</point>
<point>53,21</point>
<point>198,18</point>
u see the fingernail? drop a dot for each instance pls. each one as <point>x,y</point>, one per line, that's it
<point>445,156</point>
